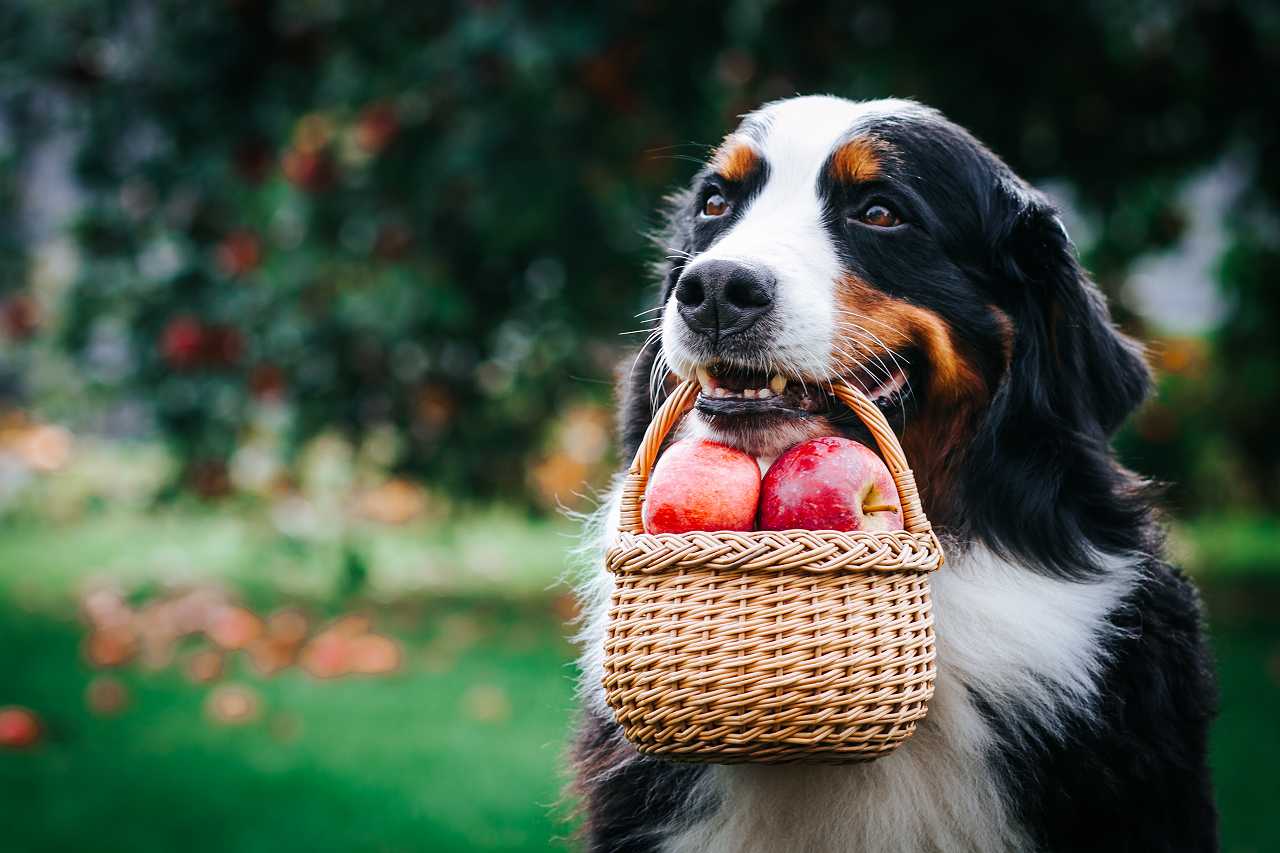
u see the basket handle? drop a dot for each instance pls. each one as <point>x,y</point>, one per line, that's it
<point>681,401</point>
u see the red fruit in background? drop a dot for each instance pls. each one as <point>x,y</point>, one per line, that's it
<point>19,728</point>
<point>310,170</point>
<point>19,317</point>
<point>267,382</point>
<point>182,341</point>
<point>376,127</point>
<point>239,252</point>
<point>829,483</point>
<point>701,485</point>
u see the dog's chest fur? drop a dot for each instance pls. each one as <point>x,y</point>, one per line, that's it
<point>1015,644</point>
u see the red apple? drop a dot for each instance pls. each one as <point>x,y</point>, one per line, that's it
<point>829,483</point>
<point>701,485</point>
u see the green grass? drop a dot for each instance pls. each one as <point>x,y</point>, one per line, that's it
<point>1246,739</point>
<point>395,763</point>
<point>1229,546</point>
<point>404,762</point>
<point>497,554</point>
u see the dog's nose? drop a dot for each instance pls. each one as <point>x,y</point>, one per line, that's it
<point>721,298</point>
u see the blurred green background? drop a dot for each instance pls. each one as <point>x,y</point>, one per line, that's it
<point>309,313</point>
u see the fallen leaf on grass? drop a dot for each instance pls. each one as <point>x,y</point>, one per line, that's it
<point>205,666</point>
<point>270,656</point>
<point>487,703</point>
<point>234,627</point>
<point>288,625</point>
<point>373,654</point>
<point>328,655</point>
<point>108,647</point>
<point>106,696</point>
<point>233,704</point>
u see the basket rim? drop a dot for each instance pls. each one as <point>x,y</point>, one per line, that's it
<point>819,552</point>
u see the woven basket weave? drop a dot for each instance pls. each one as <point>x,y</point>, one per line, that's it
<point>770,646</point>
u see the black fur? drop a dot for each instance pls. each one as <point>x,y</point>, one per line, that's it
<point>628,799</point>
<point>1134,777</point>
<point>1039,484</point>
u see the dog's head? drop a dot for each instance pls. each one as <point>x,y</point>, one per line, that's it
<point>878,244</point>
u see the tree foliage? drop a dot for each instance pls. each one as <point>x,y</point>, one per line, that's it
<point>431,215</point>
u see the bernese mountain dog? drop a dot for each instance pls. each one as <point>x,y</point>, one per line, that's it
<point>880,244</point>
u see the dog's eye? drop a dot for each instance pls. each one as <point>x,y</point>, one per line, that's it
<point>879,216</point>
<point>715,205</point>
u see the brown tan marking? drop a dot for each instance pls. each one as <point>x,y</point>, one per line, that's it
<point>857,161</point>
<point>735,159</point>
<point>956,392</point>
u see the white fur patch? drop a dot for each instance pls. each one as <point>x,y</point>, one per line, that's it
<point>594,588</point>
<point>1029,644</point>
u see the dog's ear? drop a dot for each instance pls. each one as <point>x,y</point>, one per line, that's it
<point>1070,363</point>
<point>1041,480</point>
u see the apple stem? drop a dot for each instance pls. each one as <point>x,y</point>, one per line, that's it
<point>880,508</point>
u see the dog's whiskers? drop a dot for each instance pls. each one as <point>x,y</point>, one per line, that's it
<point>657,376</point>
<point>643,330</point>
<point>900,361</point>
<point>653,338</point>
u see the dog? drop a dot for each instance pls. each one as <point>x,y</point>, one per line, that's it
<point>878,243</point>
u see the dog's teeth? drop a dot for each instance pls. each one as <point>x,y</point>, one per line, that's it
<point>704,379</point>
<point>712,388</point>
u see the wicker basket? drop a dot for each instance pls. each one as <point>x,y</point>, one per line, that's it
<point>770,647</point>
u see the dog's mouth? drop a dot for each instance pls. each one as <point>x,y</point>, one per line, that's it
<point>736,393</point>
